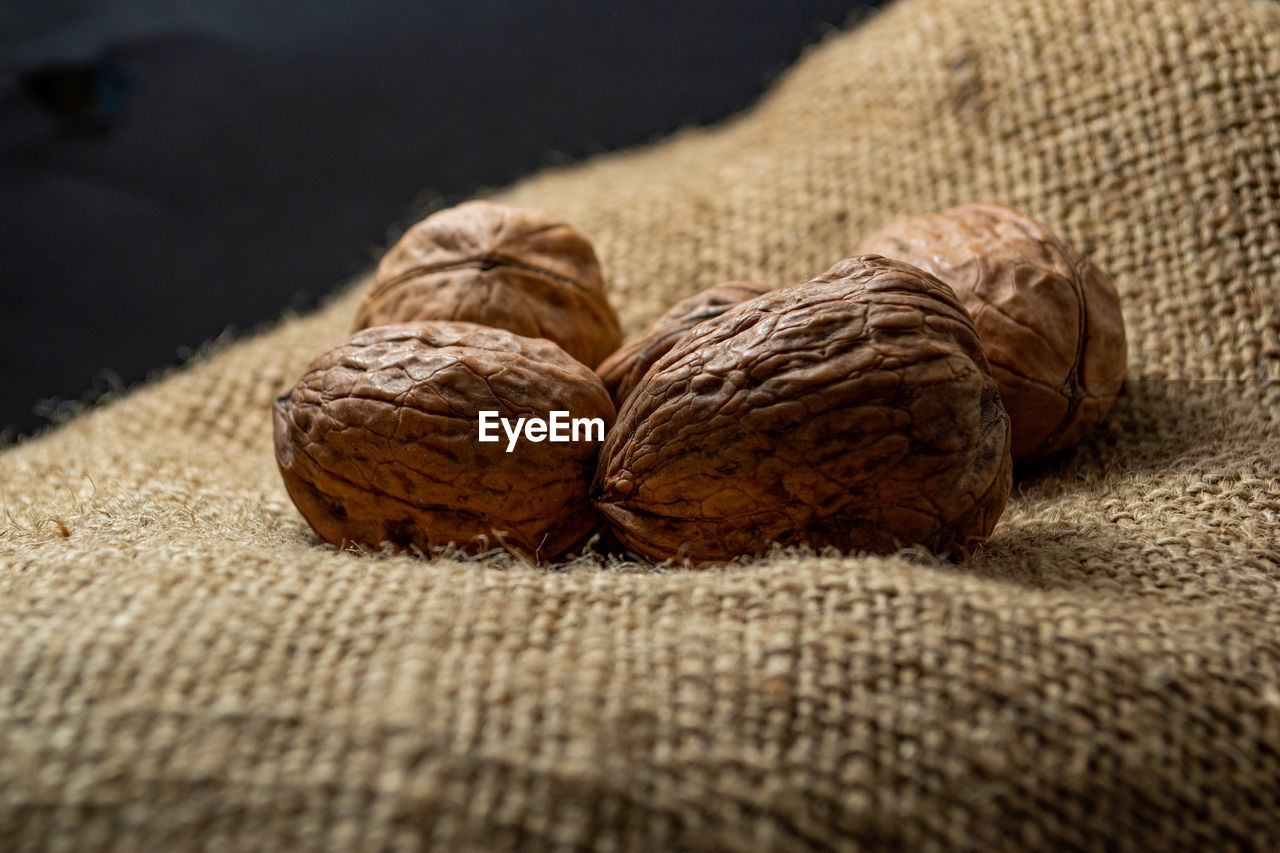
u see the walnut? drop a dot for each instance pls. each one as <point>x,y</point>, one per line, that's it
<point>379,441</point>
<point>511,268</point>
<point>1049,320</point>
<point>855,411</point>
<point>622,370</point>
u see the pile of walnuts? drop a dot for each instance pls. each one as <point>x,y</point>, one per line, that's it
<point>879,406</point>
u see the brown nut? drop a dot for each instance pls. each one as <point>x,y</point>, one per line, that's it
<point>379,441</point>
<point>512,268</point>
<point>621,371</point>
<point>1049,320</point>
<point>855,411</point>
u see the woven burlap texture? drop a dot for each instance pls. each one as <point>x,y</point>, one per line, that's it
<point>181,664</point>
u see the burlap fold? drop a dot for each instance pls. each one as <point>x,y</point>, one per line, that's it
<point>182,666</point>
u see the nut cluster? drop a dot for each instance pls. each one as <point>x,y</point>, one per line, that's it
<point>479,308</point>
<point>864,410</point>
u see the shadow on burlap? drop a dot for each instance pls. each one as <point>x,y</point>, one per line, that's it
<point>181,663</point>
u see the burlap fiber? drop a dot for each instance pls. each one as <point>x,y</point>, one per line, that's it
<point>181,665</point>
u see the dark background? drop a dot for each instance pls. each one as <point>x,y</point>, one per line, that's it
<point>170,171</point>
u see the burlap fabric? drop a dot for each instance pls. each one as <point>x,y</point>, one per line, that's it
<point>182,665</point>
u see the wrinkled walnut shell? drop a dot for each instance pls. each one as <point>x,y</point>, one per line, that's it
<point>378,441</point>
<point>621,371</point>
<point>1049,320</point>
<point>511,268</point>
<point>855,411</point>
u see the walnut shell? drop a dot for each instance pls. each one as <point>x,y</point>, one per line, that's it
<point>855,411</point>
<point>1049,320</point>
<point>511,268</point>
<point>378,441</point>
<point>621,371</point>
